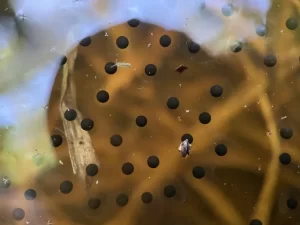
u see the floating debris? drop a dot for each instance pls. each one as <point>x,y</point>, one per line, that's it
<point>236,46</point>
<point>185,148</point>
<point>5,182</point>
<point>181,68</point>
<point>122,65</point>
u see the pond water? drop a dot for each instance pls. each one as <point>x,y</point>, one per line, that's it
<point>136,92</point>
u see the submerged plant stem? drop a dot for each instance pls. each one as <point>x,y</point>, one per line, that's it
<point>80,147</point>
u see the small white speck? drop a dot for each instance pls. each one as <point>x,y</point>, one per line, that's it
<point>53,49</point>
<point>106,34</point>
<point>259,168</point>
<point>22,17</point>
<point>284,117</point>
<point>61,162</point>
<point>187,110</point>
<point>141,88</point>
<point>97,182</point>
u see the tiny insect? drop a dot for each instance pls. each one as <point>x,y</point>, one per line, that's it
<point>185,148</point>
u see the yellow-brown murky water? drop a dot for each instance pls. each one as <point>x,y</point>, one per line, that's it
<point>248,182</point>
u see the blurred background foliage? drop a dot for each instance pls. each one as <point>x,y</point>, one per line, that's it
<point>249,182</point>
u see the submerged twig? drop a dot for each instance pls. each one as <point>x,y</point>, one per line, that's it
<point>242,96</point>
<point>266,197</point>
<point>221,204</point>
<point>79,142</point>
